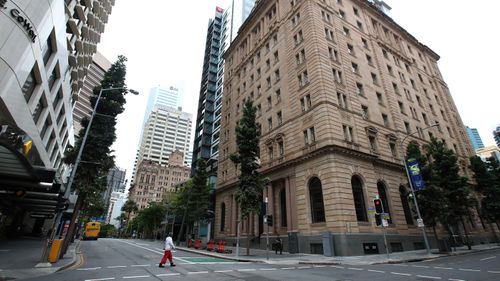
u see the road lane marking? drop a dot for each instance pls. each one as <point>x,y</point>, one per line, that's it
<point>319,266</point>
<point>137,276</point>
<point>285,268</point>
<point>116,266</point>
<point>491,271</point>
<point>266,269</point>
<point>90,268</point>
<point>247,269</point>
<point>197,272</point>
<point>136,265</point>
<point>337,266</point>
<point>452,279</point>
<point>168,274</point>
<point>468,269</point>
<point>430,277</point>
<point>378,271</point>
<point>303,267</point>
<point>399,273</point>
<point>399,264</point>
<point>354,268</point>
<point>223,271</point>
<point>422,266</point>
<point>440,267</point>
<point>154,251</point>
<point>101,279</point>
<point>488,258</point>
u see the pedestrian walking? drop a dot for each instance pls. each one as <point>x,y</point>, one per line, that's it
<point>278,245</point>
<point>169,246</point>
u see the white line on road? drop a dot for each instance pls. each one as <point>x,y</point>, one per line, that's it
<point>135,265</point>
<point>488,258</point>
<point>354,268</point>
<point>223,271</point>
<point>137,276</point>
<point>168,274</point>
<point>400,264</point>
<point>285,268</point>
<point>399,273</point>
<point>90,268</point>
<point>468,269</point>
<point>101,279</point>
<point>197,272</point>
<point>430,277</point>
<point>422,266</point>
<point>319,266</point>
<point>116,266</point>
<point>440,267</point>
<point>452,279</point>
<point>337,266</point>
<point>303,267</point>
<point>266,269</point>
<point>4,250</point>
<point>247,269</point>
<point>378,271</point>
<point>491,271</point>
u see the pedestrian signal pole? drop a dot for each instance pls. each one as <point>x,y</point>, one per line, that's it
<point>379,210</point>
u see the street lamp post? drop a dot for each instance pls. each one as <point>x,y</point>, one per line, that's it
<point>79,156</point>
<point>419,216</point>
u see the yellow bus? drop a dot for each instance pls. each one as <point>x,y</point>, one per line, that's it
<point>92,230</point>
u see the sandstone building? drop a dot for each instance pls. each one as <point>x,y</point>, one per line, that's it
<point>338,86</point>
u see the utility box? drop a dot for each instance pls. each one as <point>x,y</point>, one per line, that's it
<point>54,250</point>
<point>328,249</point>
<point>293,243</point>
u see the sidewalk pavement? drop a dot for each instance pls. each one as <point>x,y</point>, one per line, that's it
<point>257,255</point>
<point>21,258</point>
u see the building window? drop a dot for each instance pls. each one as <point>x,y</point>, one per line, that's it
<point>407,128</point>
<point>53,76</point>
<point>283,207</point>
<point>380,99</point>
<point>374,78</point>
<point>309,136</point>
<point>337,75</point>
<point>333,54</point>
<point>316,200</point>
<point>350,49</point>
<point>281,148</point>
<point>382,193</point>
<point>369,60</point>
<point>270,123</point>
<point>359,89</point>
<point>296,19</point>
<point>30,85</point>
<point>348,136</point>
<point>403,194</point>
<point>270,151</point>
<point>373,143</point>
<point>342,99</point>
<point>279,116</point>
<point>48,47</point>
<point>40,107</point>
<point>364,112</point>
<point>394,151</point>
<point>222,216</point>
<point>305,102</point>
<point>300,57</point>
<point>359,199</point>
<point>355,68</point>
<point>346,31</point>
<point>298,38</point>
<point>303,79</point>
<point>385,119</point>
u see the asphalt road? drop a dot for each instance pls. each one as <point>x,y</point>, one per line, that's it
<point>114,259</point>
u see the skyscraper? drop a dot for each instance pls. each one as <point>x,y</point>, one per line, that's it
<point>496,135</point>
<point>222,29</point>
<point>340,90</point>
<point>474,137</point>
<point>161,95</point>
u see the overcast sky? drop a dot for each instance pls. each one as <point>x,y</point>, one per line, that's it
<point>164,42</point>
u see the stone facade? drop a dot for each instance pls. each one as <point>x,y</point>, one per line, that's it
<point>340,91</point>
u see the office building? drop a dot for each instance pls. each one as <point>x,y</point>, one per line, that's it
<point>116,202</point>
<point>161,95</point>
<point>496,136</point>
<point>474,137</point>
<point>154,180</point>
<point>115,182</point>
<point>340,90</point>
<point>489,151</point>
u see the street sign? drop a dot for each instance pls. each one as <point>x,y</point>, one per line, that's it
<point>385,223</point>
<point>371,210</point>
<point>420,222</point>
<point>386,216</point>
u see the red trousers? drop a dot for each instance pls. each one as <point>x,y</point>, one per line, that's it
<point>167,255</point>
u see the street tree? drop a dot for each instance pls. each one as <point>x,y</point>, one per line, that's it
<point>149,219</point>
<point>129,207</point>
<point>251,183</point>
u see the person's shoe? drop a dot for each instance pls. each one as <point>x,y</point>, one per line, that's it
<point>172,264</point>
<point>161,265</point>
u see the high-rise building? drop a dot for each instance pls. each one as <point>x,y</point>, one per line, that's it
<point>222,29</point>
<point>95,75</point>
<point>340,90</point>
<point>154,180</point>
<point>496,136</point>
<point>116,202</point>
<point>166,130</point>
<point>474,137</point>
<point>161,95</point>
<point>115,183</point>
<point>489,151</point>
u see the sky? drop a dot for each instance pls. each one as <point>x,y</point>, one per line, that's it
<point>164,41</point>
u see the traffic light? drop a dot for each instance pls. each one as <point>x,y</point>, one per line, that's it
<point>379,209</point>
<point>270,220</point>
<point>378,219</point>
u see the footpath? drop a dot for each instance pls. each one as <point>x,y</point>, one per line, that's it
<point>21,258</point>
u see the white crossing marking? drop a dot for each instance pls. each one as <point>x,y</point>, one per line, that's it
<point>90,268</point>
<point>337,266</point>
<point>247,269</point>
<point>378,271</point>
<point>400,264</point>
<point>101,279</point>
<point>135,265</point>
<point>399,273</point>
<point>267,269</point>
<point>285,268</point>
<point>491,271</point>
<point>303,267</point>
<point>168,274</point>
<point>354,268</point>
<point>223,271</point>
<point>468,269</point>
<point>197,272</point>
<point>137,276</point>
<point>440,267</point>
<point>430,277</point>
<point>422,266</point>
<point>116,266</point>
<point>488,258</point>
<point>319,266</point>
<point>158,252</point>
<point>452,279</point>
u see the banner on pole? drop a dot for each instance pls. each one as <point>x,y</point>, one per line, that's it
<point>415,174</point>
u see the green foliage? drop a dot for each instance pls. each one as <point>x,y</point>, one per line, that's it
<point>107,230</point>
<point>199,201</point>
<point>150,218</point>
<point>487,176</point>
<point>251,184</point>
<point>129,207</point>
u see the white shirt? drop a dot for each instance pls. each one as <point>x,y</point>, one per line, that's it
<point>169,244</point>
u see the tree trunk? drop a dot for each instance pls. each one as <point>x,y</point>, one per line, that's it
<point>435,233</point>
<point>248,236</point>
<point>467,241</point>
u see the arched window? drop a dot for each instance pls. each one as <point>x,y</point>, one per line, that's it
<point>283,207</point>
<point>382,193</point>
<point>316,199</point>
<point>403,194</point>
<point>359,198</point>
<point>222,216</point>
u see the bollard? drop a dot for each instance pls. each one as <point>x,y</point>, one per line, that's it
<point>198,244</point>
<point>220,246</point>
<point>190,243</point>
<point>210,245</point>
<point>55,250</point>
